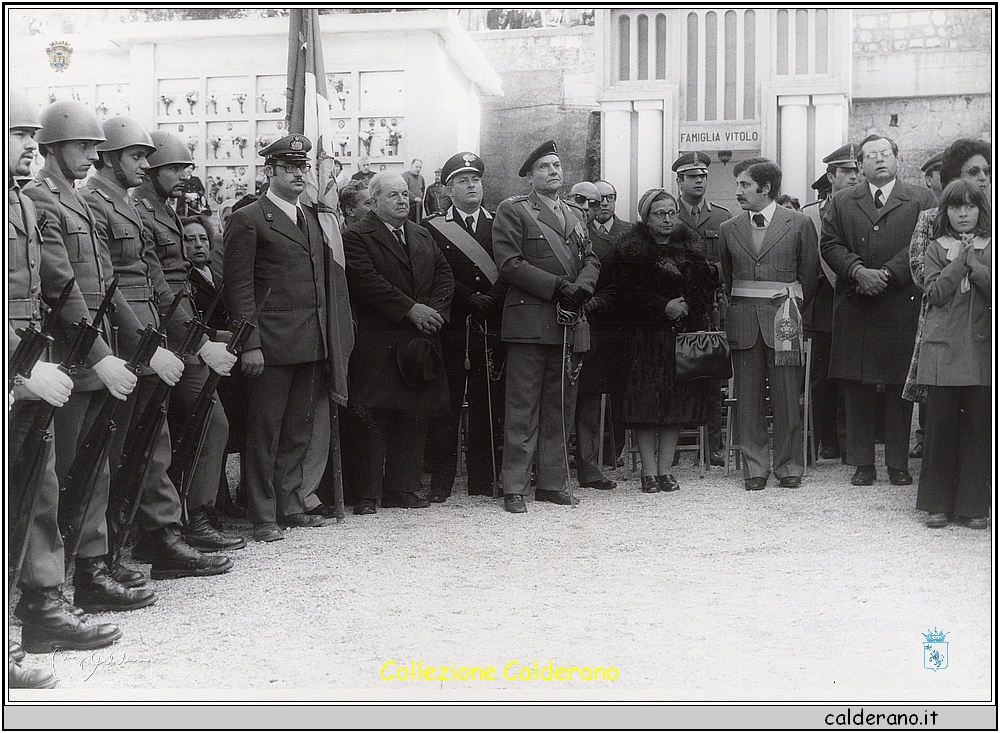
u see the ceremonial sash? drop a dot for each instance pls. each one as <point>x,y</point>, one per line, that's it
<point>787,319</point>
<point>460,237</point>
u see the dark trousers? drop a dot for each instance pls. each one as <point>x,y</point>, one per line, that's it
<point>863,417</point>
<point>394,453</point>
<point>824,392</point>
<point>714,424</point>
<point>43,559</point>
<point>442,442</point>
<point>956,469</point>
<point>588,432</point>
<point>536,417</point>
<point>281,407</point>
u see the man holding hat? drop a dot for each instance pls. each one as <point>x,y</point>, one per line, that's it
<point>401,289</point>
<point>276,243</point>
<point>705,218</point>
<point>543,251</point>
<point>932,173</point>
<point>841,172</point>
<point>471,339</point>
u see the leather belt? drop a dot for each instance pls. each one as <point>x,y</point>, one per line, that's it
<point>136,293</point>
<point>93,300</point>
<point>23,309</point>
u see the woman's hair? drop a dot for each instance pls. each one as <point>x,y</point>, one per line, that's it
<point>960,192</point>
<point>786,199</point>
<point>959,152</point>
<point>649,198</point>
<point>205,223</point>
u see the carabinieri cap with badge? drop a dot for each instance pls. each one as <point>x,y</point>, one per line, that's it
<point>294,147</point>
<point>462,163</point>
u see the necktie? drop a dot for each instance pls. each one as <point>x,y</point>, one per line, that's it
<point>399,238</point>
<point>300,222</point>
<point>604,228</point>
<point>758,221</point>
<point>559,215</point>
<point>470,224</point>
<point>878,198</point>
<point>695,211</point>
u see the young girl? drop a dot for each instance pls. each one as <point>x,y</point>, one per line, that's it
<point>955,360</point>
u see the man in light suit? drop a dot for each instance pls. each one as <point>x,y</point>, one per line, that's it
<point>770,266</point>
<point>866,237</point>
<point>277,243</point>
<point>543,251</point>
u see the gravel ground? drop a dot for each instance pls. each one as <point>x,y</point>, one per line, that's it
<point>708,593</point>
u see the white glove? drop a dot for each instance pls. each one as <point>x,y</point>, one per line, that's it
<point>167,366</point>
<point>217,357</point>
<point>50,383</point>
<point>118,378</point>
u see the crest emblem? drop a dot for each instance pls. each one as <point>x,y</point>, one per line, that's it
<point>469,158</point>
<point>786,329</point>
<point>296,144</point>
<point>935,650</point>
<point>59,53</point>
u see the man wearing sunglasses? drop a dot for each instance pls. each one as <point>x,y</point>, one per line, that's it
<point>276,242</point>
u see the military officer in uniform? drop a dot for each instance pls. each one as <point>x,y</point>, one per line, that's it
<point>276,242</point>
<point>932,174</point>
<point>169,168</point>
<point>68,140</point>
<point>470,341</point>
<point>544,253</point>
<point>122,165</point>
<point>48,620</point>
<point>705,218</point>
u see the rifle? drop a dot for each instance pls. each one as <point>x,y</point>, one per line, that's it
<point>129,474</point>
<point>191,439</point>
<point>33,341</point>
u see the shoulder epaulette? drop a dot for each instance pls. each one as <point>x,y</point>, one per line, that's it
<point>519,197</point>
<point>104,195</point>
<point>719,206</point>
<point>51,184</point>
<point>144,202</point>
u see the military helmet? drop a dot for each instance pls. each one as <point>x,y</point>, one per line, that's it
<point>170,150</point>
<point>68,120</point>
<point>21,112</point>
<point>125,132</point>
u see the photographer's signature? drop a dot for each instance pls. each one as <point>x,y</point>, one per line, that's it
<point>90,662</point>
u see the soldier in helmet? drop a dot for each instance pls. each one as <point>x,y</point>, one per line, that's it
<point>49,620</point>
<point>68,139</point>
<point>122,165</point>
<point>169,167</point>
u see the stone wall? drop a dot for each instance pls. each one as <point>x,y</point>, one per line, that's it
<point>893,30</point>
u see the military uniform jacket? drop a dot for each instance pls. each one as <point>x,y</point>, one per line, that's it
<point>24,280</point>
<point>819,316</point>
<point>787,254</point>
<point>469,279</point>
<point>385,282</point>
<point>873,336</point>
<point>71,248</point>
<point>708,225</point>
<point>264,249</point>
<point>533,268</point>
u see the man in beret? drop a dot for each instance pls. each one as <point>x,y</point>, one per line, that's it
<point>544,253</point>
<point>841,172</point>
<point>401,289</point>
<point>473,352</point>
<point>932,173</point>
<point>705,218</point>
<point>276,242</point>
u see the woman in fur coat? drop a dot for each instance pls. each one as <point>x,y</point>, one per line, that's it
<point>665,285</point>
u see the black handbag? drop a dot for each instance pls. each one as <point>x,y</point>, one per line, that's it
<point>702,355</point>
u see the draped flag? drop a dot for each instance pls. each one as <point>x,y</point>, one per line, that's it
<point>308,113</point>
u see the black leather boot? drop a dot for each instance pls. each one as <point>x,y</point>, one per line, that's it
<point>173,558</point>
<point>22,678</point>
<point>201,535</point>
<point>47,624</point>
<point>15,652</point>
<point>97,591</point>
<point>127,576</point>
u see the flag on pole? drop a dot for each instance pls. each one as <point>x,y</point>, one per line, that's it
<point>308,113</point>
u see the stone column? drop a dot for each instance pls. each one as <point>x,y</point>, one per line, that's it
<point>649,148</point>
<point>616,150</point>
<point>794,160</point>
<point>831,126</point>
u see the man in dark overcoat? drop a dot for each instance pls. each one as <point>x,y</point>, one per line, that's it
<point>543,251</point>
<point>276,242</point>
<point>401,289</point>
<point>865,241</point>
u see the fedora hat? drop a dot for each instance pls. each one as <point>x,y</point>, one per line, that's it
<point>419,361</point>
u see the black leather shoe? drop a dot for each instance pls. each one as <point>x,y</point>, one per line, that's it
<point>790,482</point>
<point>46,624</point>
<point>201,535</point>
<point>302,520</point>
<point>69,606</point>
<point>650,485</point>
<point>899,477</point>
<point>97,591</point>
<point>717,458</point>
<point>604,484</point>
<point>364,506</point>
<point>977,522</point>
<point>127,576</point>
<point>936,521</point>
<point>267,532</point>
<point>829,452</point>
<point>15,652</point>
<point>667,482</point>
<point>22,678</point>
<point>514,503</point>
<point>864,476</point>
<point>327,512</point>
<point>403,500</point>
<point>754,484</point>
<point>174,559</point>
<point>438,495</point>
<point>917,451</point>
<point>555,497</point>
